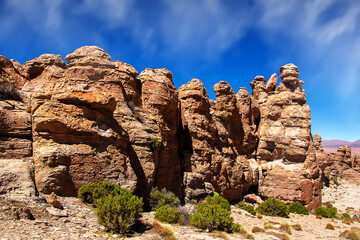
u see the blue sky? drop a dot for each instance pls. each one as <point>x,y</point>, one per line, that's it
<point>212,40</point>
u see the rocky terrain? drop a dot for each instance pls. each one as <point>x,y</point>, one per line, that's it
<point>91,119</point>
<point>78,221</point>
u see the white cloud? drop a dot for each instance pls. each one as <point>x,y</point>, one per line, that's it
<point>38,14</point>
<point>333,42</point>
<point>208,26</point>
<point>114,12</point>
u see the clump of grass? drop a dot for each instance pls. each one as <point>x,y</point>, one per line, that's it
<point>297,226</point>
<point>281,236</point>
<point>285,227</point>
<point>166,232</point>
<point>330,226</point>
<point>237,228</point>
<point>347,220</point>
<point>259,216</point>
<point>257,229</point>
<point>352,234</point>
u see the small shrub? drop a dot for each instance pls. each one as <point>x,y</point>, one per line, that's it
<point>247,207</point>
<point>116,208</point>
<point>352,234</point>
<point>273,207</point>
<point>155,143</point>
<point>259,216</point>
<point>330,226</point>
<point>167,214</point>
<point>163,197</point>
<point>8,91</point>
<point>184,215</point>
<point>118,212</point>
<point>212,214</point>
<point>92,192</point>
<point>298,208</point>
<point>345,215</point>
<point>326,212</point>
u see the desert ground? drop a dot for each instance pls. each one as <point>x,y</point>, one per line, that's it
<point>78,221</point>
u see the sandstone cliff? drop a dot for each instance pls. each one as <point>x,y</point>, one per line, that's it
<point>94,119</point>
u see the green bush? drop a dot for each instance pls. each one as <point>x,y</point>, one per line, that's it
<point>326,212</point>
<point>273,207</point>
<point>92,192</point>
<point>247,207</point>
<point>297,207</point>
<point>116,208</point>
<point>345,215</point>
<point>167,214</point>
<point>213,213</point>
<point>163,197</point>
<point>118,212</point>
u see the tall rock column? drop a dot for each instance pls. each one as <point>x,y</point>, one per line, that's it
<point>285,149</point>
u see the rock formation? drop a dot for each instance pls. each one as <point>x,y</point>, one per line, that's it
<point>339,165</point>
<point>95,119</point>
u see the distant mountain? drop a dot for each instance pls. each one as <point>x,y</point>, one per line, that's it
<point>337,143</point>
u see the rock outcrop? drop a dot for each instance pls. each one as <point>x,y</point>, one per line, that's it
<point>95,119</point>
<point>339,165</point>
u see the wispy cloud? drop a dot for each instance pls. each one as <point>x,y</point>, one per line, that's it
<point>332,42</point>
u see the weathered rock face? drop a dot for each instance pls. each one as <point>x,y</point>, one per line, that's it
<point>95,119</point>
<point>15,134</point>
<point>285,143</point>
<point>91,123</point>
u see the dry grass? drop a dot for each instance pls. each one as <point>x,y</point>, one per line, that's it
<point>257,229</point>
<point>352,234</point>
<point>330,226</point>
<point>285,227</point>
<point>281,236</point>
<point>347,220</point>
<point>259,216</point>
<point>166,232</point>
<point>297,226</point>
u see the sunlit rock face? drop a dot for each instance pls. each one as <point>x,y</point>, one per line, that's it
<point>94,119</point>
